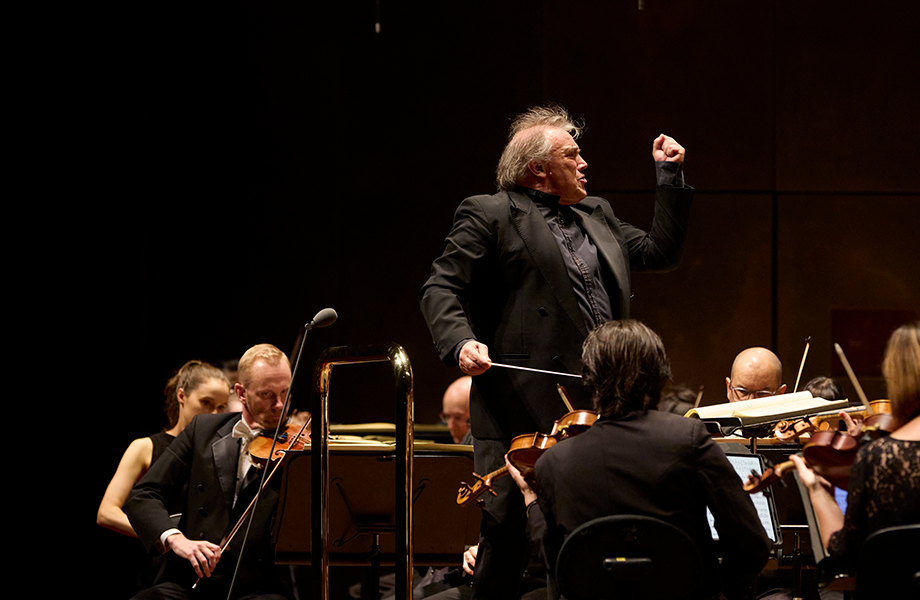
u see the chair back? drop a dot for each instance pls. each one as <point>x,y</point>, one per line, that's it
<point>626,557</point>
<point>889,564</point>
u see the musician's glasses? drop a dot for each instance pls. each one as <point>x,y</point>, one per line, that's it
<point>744,394</point>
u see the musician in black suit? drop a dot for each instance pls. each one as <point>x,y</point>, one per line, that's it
<point>639,461</point>
<point>211,457</point>
<point>537,265</point>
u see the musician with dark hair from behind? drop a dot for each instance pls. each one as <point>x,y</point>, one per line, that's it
<point>636,460</point>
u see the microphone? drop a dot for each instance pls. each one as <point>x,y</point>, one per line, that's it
<point>323,318</point>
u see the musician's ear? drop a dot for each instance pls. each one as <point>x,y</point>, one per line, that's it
<point>781,390</point>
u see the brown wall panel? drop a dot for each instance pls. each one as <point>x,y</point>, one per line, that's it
<point>719,301</point>
<point>842,253</point>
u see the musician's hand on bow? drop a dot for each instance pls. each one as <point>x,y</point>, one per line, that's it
<point>854,427</point>
<point>469,559</point>
<point>474,358</point>
<point>201,554</point>
<point>666,149</point>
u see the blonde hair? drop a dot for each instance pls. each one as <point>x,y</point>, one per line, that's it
<point>901,369</point>
<point>528,142</point>
<point>265,352</point>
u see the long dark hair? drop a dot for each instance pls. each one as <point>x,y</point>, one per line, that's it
<point>625,367</point>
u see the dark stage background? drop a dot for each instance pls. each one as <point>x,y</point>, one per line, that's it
<point>272,159</point>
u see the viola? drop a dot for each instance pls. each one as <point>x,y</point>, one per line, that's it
<point>524,452</point>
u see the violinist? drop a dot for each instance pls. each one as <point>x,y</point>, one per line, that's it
<point>641,461</point>
<point>196,388</point>
<point>884,484</point>
<point>208,473</point>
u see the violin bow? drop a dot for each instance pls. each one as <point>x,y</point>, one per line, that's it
<point>565,397</point>
<point>802,366</point>
<point>853,380</point>
<point>266,477</point>
<point>699,397</point>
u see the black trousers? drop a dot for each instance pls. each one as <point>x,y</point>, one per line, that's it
<point>504,550</point>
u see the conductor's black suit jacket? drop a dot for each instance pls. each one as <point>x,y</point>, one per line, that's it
<point>502,260</point>
<point>205,456</point>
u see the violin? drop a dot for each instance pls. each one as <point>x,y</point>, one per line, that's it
<point>829,453</point>
<point>792,430</point>
<point>524,452</point>
<point>291,438</point>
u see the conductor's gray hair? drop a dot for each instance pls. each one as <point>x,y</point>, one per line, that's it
<point>528,141</point>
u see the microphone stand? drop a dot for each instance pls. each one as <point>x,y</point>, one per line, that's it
<point>323,318</point>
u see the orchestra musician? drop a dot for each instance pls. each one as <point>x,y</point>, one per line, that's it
<point>884,484</point>
<point>455,409</point>
<point>641,461</point>
<point>538,265</point>
<point>207,471</point>
<point>756,373</point>
<point>196,388</point>
<point>824,387</point>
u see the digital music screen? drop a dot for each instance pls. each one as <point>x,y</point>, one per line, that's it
<point>744,464</point>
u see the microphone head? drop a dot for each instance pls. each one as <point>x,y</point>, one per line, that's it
<point>325,318</point>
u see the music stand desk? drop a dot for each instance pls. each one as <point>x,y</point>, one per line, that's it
<point>361,505</point>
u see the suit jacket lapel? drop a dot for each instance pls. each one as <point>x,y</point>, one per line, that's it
<point>544,250</point>
<point>608,248</point>
<point>226,451</point>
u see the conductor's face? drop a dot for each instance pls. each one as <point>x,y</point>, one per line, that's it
<point>263,395</point>
<point>565,170</point>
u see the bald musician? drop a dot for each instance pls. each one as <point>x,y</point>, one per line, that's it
<point>455,409</point>
<point>756,373</point>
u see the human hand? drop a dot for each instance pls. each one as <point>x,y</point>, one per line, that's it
<point>854,427</point>
<point>523,485</point>
<point>811,480</point>
<point>666,149</point>
<point>201,554</point>
<point>474,358</point>
<point>469,559</point>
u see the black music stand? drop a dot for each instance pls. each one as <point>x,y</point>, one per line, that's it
<point>362,512</point>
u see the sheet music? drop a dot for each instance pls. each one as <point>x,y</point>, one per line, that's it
<point>743,465</point>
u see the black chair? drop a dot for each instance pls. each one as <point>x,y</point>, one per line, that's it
<point>889,565</point>
<point>626,557</point>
